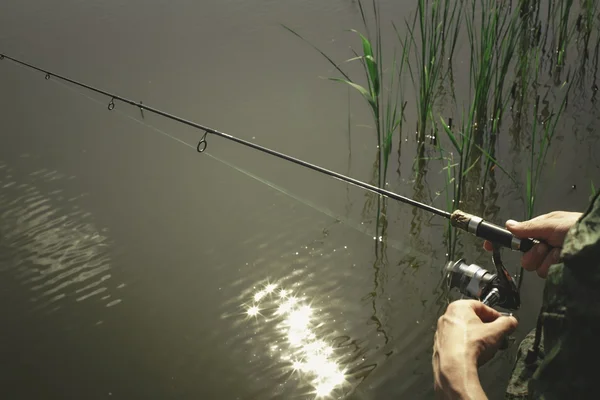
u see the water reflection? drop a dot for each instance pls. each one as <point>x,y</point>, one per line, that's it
<point>302,351</point>
<point>49,244</point>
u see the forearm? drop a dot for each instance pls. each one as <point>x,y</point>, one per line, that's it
<point>473,389</point>
<point>460,383</point>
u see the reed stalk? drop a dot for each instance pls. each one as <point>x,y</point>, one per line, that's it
<point>564,34</point>
<point>438,28</point>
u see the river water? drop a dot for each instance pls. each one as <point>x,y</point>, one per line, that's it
<point>133,267</point>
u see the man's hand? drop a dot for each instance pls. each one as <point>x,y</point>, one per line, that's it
<point>467,335</point>
<point>552,229</point>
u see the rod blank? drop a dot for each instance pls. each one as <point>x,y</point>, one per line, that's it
<point>243,142</point>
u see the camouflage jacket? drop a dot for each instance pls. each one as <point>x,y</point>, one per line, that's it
<point>558,360</point>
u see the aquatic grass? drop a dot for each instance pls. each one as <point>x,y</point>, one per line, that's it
<point>530,64</point>
<point>591,9</point>
<point>541,140</point>
<point>506,38</point>
<point>382,101</point>
<point>561,31</point>
<point>501,39</point>
<point>585,27</point>
<point>460,143</point>
<point>395,106</point>
<point>495,162</point>
<point>456,171</point>
<point>452,179</point>
<point>585,21</point>
<point>492,51</point>
<point>404,63</point>
<point>590,13</point>
<point>383,106</point>
<point>526,55</point>
<point>505,50</point>
<point>564,34</point>
<point>386,114</point>
<point>349,127</point>
<point>493,32</point>
<point>438,27</point>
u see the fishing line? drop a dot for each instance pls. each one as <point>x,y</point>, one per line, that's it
<point>346,221</point>
<point>459,219</point>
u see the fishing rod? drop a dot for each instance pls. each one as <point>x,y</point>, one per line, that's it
<point>459,219</point>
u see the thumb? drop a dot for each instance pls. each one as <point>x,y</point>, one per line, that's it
<point>539,228</point>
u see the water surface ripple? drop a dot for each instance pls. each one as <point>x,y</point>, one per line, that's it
<point>50,245</point>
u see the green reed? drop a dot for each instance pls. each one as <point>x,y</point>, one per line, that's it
<point>542,135</point>
<point>503,32</point>
<point>454,171</point>
<point>531,22</point>
<point>382,102</point>
<point>541,139</point>
<point>564,34</point>
<point>585,27</point>
<point>492,43</point>
<point>585,21</point>
<point>500,40</point>
<point>492,33</point>
<point>458,167</point>
<point>438,27</point>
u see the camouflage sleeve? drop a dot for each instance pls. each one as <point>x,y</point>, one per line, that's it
<point>558,359</point>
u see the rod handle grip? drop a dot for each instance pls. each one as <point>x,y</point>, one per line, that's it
<point>504,237</point>
<point>488,231</point>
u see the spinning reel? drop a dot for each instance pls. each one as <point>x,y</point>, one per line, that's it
<point>493,289</point>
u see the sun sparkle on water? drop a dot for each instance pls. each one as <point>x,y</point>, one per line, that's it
<point>304,351</point>
<point>270,288</point>
<point>259,295</point>
<point>253,311</point>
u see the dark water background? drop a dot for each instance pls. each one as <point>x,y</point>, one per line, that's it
<point>128,262</point>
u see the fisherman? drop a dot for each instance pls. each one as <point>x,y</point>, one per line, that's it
<point>559,358</point>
